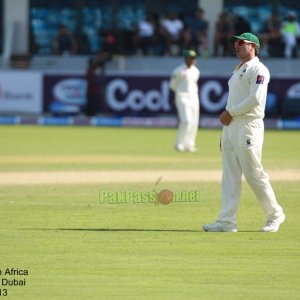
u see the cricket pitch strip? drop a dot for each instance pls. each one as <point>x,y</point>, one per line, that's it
<point>126,176</point>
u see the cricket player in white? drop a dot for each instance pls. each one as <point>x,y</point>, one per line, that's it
<point>184,83</point>
<point>242,139</point>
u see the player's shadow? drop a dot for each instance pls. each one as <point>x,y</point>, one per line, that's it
<point>131,230</point>
<point>127,230</point>
<point>143,230</point>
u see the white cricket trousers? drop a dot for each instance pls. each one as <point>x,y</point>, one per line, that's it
<point>188,123</point>
<point>242,143</point>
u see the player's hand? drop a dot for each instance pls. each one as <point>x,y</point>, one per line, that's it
<point>225,118</point>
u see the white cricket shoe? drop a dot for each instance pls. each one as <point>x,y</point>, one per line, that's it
<point>273,225</point>
<point>220,227</point>
<point>192,149</point>
<point>180,147</point>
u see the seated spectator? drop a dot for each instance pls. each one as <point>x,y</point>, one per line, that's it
<point>145,35</point>
<point>241,25</point>
<point>291,31</point>
<point>64,42</point>
<point>195,33</point>
<point>172,28</point>
<point>82,41</point>
<point>223,31</point>
<point>159,42</point>
<point>271,36</point>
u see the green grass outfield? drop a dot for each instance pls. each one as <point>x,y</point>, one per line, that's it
<point>75,248</point>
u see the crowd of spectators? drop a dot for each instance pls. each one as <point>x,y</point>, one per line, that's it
<point>281,36</point>
<point>170,34</point>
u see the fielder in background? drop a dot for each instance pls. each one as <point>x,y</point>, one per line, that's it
<point>184,83</point>
<point>242,139</point>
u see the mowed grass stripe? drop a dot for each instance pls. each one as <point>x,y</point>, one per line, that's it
<point>90,159</point>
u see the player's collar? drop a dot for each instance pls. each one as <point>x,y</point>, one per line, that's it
<point>251,61</point>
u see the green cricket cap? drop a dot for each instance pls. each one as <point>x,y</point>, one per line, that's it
<point>247,36</point>
<point>189,53</point>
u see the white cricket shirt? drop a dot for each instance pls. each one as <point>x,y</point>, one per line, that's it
<point>248,88</point>
<point>184,83</point>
